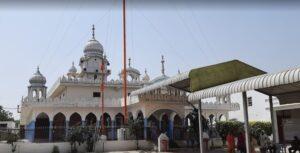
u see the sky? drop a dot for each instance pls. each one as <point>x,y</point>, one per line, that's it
<point>189,35</point>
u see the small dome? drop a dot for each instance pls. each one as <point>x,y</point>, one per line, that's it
<point>93,47</point>
<point>37,78</point>
<point>72,69</point>
<point>133,70</point>
<point>146,77</point>
<point>160,78</point>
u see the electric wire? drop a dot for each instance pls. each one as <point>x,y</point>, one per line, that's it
<point>191,34</point>
<point>179,56</point>
<point>78,43</point>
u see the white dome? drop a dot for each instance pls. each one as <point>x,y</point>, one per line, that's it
<point>37,78</point>
<point>72,69</point>
<point>146,77</point>
<point>160,78</point>
<point>93,47</point>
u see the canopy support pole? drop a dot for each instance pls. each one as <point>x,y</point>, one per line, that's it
<point>200,127</point>
<point>246,120</point>
<point>272,117</point>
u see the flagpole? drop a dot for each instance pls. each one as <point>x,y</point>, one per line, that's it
<point>124,62</point>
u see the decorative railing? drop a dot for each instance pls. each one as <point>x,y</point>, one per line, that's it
<point>220,106</point>
<point>112,82</point>
<point>162,97</point>
<point>72,102</point>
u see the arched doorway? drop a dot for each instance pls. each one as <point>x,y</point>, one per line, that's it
<point>90,120</point>
<point>107,129</point>
<point>75,120</point>
<point>119,120</point>
<point>164,124</point>
<point>152,129</point>
<point>59,125</point>
<point>178,130</point>
<point>140,118</point>
<point>42,123</point>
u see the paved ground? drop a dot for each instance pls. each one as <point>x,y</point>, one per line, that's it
<point>183,150</point>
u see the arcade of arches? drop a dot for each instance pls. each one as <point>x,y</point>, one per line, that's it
<point>160,121</point>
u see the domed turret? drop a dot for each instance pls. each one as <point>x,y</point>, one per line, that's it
<point>37,88</point>
<point>146,77</point>
<point>93,46</point>
<point>132,72</point>
<point>72,69</point>
<point>37,78</point>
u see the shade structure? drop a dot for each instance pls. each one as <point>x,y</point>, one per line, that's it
<point>271,84</point>
<point>205,77</point>
<point>213,75</point>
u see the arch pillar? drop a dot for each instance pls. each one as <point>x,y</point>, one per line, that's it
<point>50,131</point>
<point>145,128</point>
<point>29,132</point>
<point>97,123</point>
<point>113,125</point>
<point>67,129</point>
<point>170,129</point>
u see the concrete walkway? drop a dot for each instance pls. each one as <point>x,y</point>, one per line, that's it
<point>180,150</point>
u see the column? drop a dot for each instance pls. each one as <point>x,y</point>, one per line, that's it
<point>170,129</point>
<point>29,131</point>
<point>246,120</point>
<point>97,124</point>
<point>83,123</point>
<point>50,130</point>
<point>67,129</point>
<point>200,127</point>
<point>182,130</point>
<point>145,128</point>
<point>113,125</point>
<point>272,118</point>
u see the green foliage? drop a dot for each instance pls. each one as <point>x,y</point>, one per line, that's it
<point>11,138</point>
<point>55,149</point>
<point>75,136</point>
<point>80,135</point>
<point>225,127</point>
<point>258,126</point>
<point>134,127</point>
<point>5,115</point>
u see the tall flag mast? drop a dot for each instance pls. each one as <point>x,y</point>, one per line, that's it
<point>124,64</point>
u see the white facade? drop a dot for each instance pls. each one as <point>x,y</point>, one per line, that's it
<point>75,99</point>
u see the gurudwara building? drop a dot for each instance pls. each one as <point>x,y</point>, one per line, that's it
<point>74,100</point>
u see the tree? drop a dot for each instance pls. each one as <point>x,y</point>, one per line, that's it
<point>11,138</point>
<point>80,135</point>
<point>134,127</point>
<point>5,115</point>
<point>224,127</point>
<point>75,136</point>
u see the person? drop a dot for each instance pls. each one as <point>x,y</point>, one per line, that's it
<point>241,145</point>
<point>264,142</point>
<point>230,142</point>
<point>253,144</point>
<point>295,145</point>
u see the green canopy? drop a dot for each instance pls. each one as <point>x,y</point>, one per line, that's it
<point>213,75</point>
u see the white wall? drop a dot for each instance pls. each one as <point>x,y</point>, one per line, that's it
<point>64,147</point>
<point>257,112</point>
